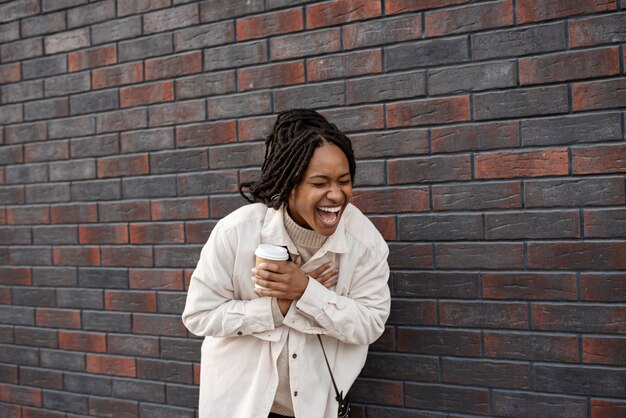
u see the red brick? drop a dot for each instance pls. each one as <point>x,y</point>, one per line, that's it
<point>604,350</point>
<point>194,208</point>
<point>392,200</point>
<point>130,301</point>
<point>27,215</point>
<point>428,111</point>
<point>124,165</point>
<point>211,133</point>
<point>196,374</point>
<point>553,162</point>
<point>111,365</point>
<point>127,256</point>
<point>469,19</point>
<point>340,11</point>
<point>10,73</point>
<point>83,341</point>
<point>76,256</point>
<point>402,6</point>
<point>569,66</point>
<point>158,279</point>
<point>20,395</point>
<point>599,159</point>
<point>174,65</point>
<point>601,408</point>
<point>272,75</point>
<point>577,255</point>
<point>597,30</point>
<point>116,76</point>
<point>15,276</point>
<point>147,94</point>
<point>92,57</point>
<point>536,10</point>
<point>261,26</point>
<point>57,318</point>
<point>529,286</point>
<point>607,287</point>
<point>386,225</point>
<point>73,213</point>
<point>103,234</point>
<point>187,278</point>
<point>344,65</point>
<point>157,233</point>
<point>602,94</point>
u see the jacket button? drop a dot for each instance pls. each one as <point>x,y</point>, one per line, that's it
<point>240,333</point>
<point>295,393</point>
<point>294,356</point>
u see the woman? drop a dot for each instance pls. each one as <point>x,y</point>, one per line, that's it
<point>261,356</point>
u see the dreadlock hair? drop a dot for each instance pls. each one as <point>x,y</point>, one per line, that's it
<point>289,148</point>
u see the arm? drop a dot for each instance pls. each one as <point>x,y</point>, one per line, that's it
<point>211,308</point>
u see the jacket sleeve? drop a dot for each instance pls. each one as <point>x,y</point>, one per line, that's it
<point>359,317</point>
<point>211,308</point>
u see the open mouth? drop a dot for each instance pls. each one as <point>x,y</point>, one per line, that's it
<point>329,215</point>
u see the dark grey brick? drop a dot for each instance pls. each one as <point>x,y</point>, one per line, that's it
<point>145,47</point>
<point>205,183</point>
<point>314,96</point>
<point>96,190</point>
<point>473,77</point>
<point>370,173</point>
<point>147,140</point>
<point>44,109</point>
<point>18,9</point>
<point>90,384</point>
<point>235,56</point>
<point>57,234</point>
<point>72,170</point>
<point>92,13</point>
<point>31,376</point>
<point>107,278</point>
<point>39,337</point>
<point>44,67</point>
<point>139,390</point>
<point>19,92</point>
<point>571,129</point>
<point>63,360</point>
<point>473,196</point>
<point>440,227</point>
<point>48,193</point>
<point>43,24</point>
<point>64,401</point>
<point>95,146</point>
<point>256,103</point>
<point>181,395</point>
<point>480,372</point>
<point>21,50</point>
<point>532,225</point>
<point>107,321</point>
<point>9,32</point>
<point>67,84</point>
<point>31,255</point>
<point>80,298</point>
<point>204,36</point>
<point>212,10</point>
<point>171,302</point>
<point>17,315</point>
<point>116,30</point>
<point>11,114</point>
<point>134,345</point>
<point>181,349</point>
<point>26,173</point>
<point>179,161</point>
<point>204,85</point>
<point>154,186</point>
<point>54,276</point>
<point>521,102</point>
<point>50,5</point>
<point>403,366</point>
<point>436,284</point>
<point>162,411</point>
<point>575,192</point>
<point>11,154</point>
<point>516,42</point>
<point>305,44</point>
<point>236,155</point>
<point>18,355</point>
<point>426,53</point>
<point>15,235</point>
<point>79,126</point>
<point>515,404</point>
<point>177,256</point>
<point>395,86</point>
<point>66,41</point>
<point>598,381</point>
<point>165,371</point>
<point>390,143</point>
<point>94,102</point>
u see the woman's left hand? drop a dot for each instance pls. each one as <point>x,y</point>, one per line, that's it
<point>282,280</point>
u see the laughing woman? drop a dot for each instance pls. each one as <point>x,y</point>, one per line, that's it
<point>261,355</point>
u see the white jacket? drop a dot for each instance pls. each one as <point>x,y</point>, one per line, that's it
<point>238,375</point>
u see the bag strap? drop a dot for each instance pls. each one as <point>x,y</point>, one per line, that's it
<point>344,408</point>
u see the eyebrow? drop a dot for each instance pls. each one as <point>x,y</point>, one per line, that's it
<point>326,177</point>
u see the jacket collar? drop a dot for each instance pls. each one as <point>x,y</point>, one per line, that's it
<point>274,232</point>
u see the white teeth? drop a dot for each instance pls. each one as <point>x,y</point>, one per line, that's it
<point>333,210</point>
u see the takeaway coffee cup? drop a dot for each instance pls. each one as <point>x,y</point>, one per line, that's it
<point>270,253</point>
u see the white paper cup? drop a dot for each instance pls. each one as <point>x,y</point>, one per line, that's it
<point>270,253</point>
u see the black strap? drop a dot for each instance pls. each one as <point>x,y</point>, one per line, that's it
<point>344,407</point>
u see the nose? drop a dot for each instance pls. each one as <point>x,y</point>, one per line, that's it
<point>334,193</point>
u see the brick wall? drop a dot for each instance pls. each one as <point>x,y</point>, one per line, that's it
<point>492,157</point>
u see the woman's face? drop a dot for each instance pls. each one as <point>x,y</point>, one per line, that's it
<point>318,201</point>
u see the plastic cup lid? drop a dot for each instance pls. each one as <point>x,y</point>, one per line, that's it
<point>272,252</point>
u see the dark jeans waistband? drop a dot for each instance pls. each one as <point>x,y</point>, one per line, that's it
<point>273,415</point>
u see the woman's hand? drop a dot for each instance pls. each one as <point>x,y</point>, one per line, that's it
<point>288,281</point>
<point>325,275</point>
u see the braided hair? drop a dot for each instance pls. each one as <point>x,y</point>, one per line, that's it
<point>289,148</point>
